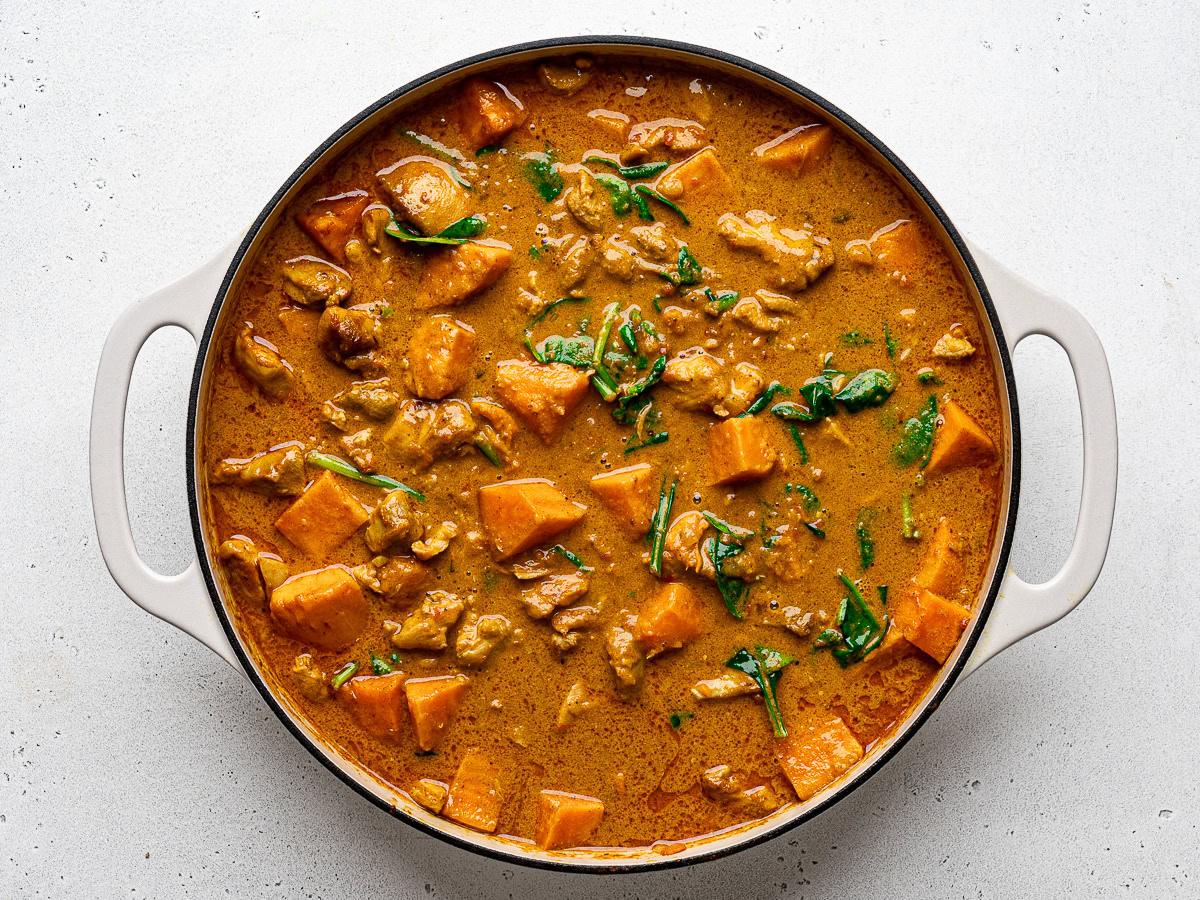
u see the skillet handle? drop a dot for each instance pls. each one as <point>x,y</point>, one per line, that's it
<point>182,600</point>
<point>1022,608</point>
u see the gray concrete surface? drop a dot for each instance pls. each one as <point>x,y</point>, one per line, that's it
<point>136,138</point>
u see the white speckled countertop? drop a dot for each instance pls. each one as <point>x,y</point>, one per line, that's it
<point>136,139</point>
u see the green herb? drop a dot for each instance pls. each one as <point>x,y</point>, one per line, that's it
<point>633,173</point>
<point>486,448</point>
<point>677,719</point>
<point>907,521</point>
<point>628,337</point>
<point>928,376</point>
<point>760,403</point>
<point>819,532</point>
<point>642,207</point>
<point>882,594</point>
<point>343,674</point>
<point>605,384</point>
<point>842,216</point>
<point>657,301</point>
<point>889,341</point>
<point>379,667</point>
<point>540,356</point>
<point>917,442</point>
<point>655,195</point>
<point>734,531</point>
<point>627,406</point>
<point>341,467</point>
<point>571,558</point>
<point>869,388</point>
<point>866,546</point>
<point>485,151</point>
<point>619,196</point>
<point>810,499</point>
<point>602,380</point>
<point>395,659</point>
<point>535,252</point>
<point>540,169</point>
<point>658,437</point>
<point>662,517</point>
<point>719,303</point>
<point>688,268</point>
<point>455,233</point>
<point>764,666</point>
<point>818,394</point>
<point>733,590</point>
<point>855,338</point>
<point>827,638</point>
<point>861,631</point>
<point>798,441</point>
<point>574,351</point>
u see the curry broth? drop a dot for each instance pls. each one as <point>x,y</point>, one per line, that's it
<point>627,750</point>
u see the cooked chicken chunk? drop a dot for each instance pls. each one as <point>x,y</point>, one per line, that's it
<point>309,281</point>
<point>577,700</point>
<point>374,400</point>
<point>749,311</point>
<point>426,628</point>
<point>276,473</point>
<point>478,636</point>
<point>435,540</point>
<point>586,202</point>
<point>683,548</point>
<point>798,257</point>
<point>624,652</point>
<point>351,337</point>
<point>575,264</point>
<point>425,194</point>
<point>565,78</point>
<point>313,682</point>
<point>949,346</point>
<point>678,136</point>
<point>722,783</point>
<point>259,360</point>
<point>706,382</point>
<point>731,684</point>
<point>553,592</point>
<point>240,559</point>
<point>391,521</point>
<point>654,240</point>
<point>423,431</point>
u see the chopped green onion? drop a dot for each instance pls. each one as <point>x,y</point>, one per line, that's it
<point>889,341</point>
<point>662,516</point>
<point>814,529</point>
<point>341,467</point>
<point>570,557</point>
<point>658,437</point>
<point>907,521</point>
<point>378,666</point>
<point>343,674</point>
<point>486,448</point>
<point>633,173</point>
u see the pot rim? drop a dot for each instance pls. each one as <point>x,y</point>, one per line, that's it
<point>505,851</point>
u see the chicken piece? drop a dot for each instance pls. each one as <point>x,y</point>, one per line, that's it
<point>276,473</point>
<point>959,441</point>
<point>941,569</point>
<point>565,78</point>
<point>474,798</point>
<point>520,515</point>
<point>456,274</point>
<point>542,394</point>
<point>575,264</point>
<point>429,794</point>
<point>398,580</point>
<point>696,174</point>
<point>614,124</point>
<point>618,258</point>
<point>672,618</point>
<point>949,346</point>
<point>332,221</point>
<point>377,703</point>
<point>703,381</point>
<point>803,623</point>
<point>425,628</point>
<point>739,449</point>
<point>309,281</point>
<point>239,556</point>
<point>435,540</point>
<point>777,303</point>
<point>391,521</point>
<point>358,448</point>
<point>439,356</point>
<point>799,150</point>
<point>817,752</point>
<point>683,547</point>
<point>323,518</point>
<point>655,240</point>
<point>577,700</point>
<point>499,428</point>
<point>351,338</point>
<point>479,635</point>
<point>424,432</point>
<point>629,495</point>
<point>273,569</point>
<point>312,681</point>
<point>433,704</point>
<point>425,194</point>
<point>749,311</point>
<point>487,112</point>
<point>932,623</point>
<point>374,400</point>
<point>577,618</point>
<point>677,136</point>
<point>553,592</point>
<point>375,219</point>
<point>586,202</point>
<point>723,687</point>
<point>325,608</point>
<point>624,652</point>
<point>259,360</point>
<point>798,257</point>
<point>723,784</point>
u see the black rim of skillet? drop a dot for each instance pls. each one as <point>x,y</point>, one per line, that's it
<point>496,851</point>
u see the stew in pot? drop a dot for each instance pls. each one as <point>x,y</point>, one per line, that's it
<point>603,453</point>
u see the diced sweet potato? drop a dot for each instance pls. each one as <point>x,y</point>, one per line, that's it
<point>425,194</point>
<point>459,273</point>
<point>817,752</point>
<point>930,622</point>
<point>567,820</point>
<point>897,248</point>
<point>433,703</point>
<point>697,173</point>
<point>474,798</point>
<point>542,394</point>
<point>332,221</point>
<point>518,515</point>
<point>323,517</point>
<point>439,356</point>
<point>325,608</point>
<point>800,149</point>
<point>941,569</point>
<point>739,449</point>
<point>672,618</point>
<point>377,702</point>
<point>960,441</point>
<point>629,493</point>
<point>487,112</point>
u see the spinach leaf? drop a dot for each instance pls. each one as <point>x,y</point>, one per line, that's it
<point>633,173</point>
<point>570,557</point>
<point>378,666</point>
<point>466,227</point>
<point>628,406</point>
<point>869,388</point>
<point>818,394</point>
<point>552,307</point>
<point>541,170</point>
<point>733,590</point>
<point>928,376</point>
<point>677,719</point>
<point>889,341</point>
<point>662,519</point>
<point>341,467</point>
<point>657,437</point>
<point>574,351</point>
<point>736,532</point>
<point>866,546</point>
<point>642,207</point>
<point>765,666</point>
<point>855,338</point>
<point>719,303</point>
<point>455,233</point>
<point>688,270</point>
<point>655,195</point>
<point>907,521</point>
<point>486,448</point>
<point>619,197</point>
<point>860,631</point>
<point>819,532</point>
<point>917,442</point>
<point>760,402</point>
<point>798,441</point>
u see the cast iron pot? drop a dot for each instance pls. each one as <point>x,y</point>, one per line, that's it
<point>1008,610</point>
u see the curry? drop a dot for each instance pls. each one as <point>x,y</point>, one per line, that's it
<point>603,453</point>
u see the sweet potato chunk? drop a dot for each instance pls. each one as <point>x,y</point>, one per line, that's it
<point>629,493</point>
<point>672,618</point>
<point>542,394</point>
<point>815,753</point>
<point>930,622</point>
<point>487,112</point>
<point>740,450</point>
<point>433,703</point>
<point>941,568</point>
<point>325,608</point>
<point>459,273</point>
<point>377,702</point>
<point>799,150</point>
<point>474,798</point>
<point>425,194</point>
<point>567,820</point>
<point>897,248</point>
<point>439,356</point>
<point>518,515</point>
<point>959,442</point>
<point>697,173</point>
<point>332,221</point>
<point>323,518</point>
